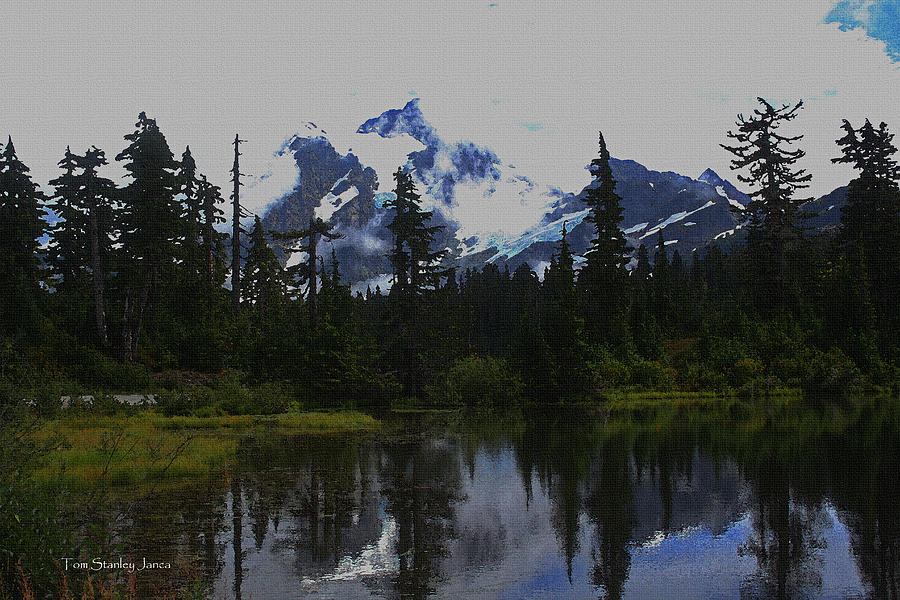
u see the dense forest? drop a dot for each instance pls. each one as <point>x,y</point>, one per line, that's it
<point>126,288</point>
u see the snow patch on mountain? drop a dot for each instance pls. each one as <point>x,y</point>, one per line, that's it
<point>334,199</point>
<point>543,233</point>
<point>635,228</point>
<point>721,191</point>
<point>675,218</point>
<point>540,268</point>
<point>297,258</point>
<point>726,233</point>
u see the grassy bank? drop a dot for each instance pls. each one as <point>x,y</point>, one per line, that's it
<point>148,447</point>
<point>630,399</point>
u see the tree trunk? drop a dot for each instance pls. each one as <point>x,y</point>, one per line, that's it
<point>98,277</point>
<point>125,342</point>
<point>313,295</point>
<point>131,324</point>
<point>210,267</point>
<point>236,232</point>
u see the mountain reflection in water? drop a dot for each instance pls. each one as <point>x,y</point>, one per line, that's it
<point>742,501</point>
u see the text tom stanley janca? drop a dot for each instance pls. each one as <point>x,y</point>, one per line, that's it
<point>122,564</point>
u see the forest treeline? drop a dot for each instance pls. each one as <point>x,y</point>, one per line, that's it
<point>121,282</point>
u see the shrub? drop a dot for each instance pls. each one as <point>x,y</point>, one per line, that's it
<point>477,380</point>
<point>269,399</point>
<point>608,371</point>
<point>829,375</point>
<point>651,375</point>
<point>97,370</point>
<point>699,377</point>
<point>745,371</point>
<point>226,397</point>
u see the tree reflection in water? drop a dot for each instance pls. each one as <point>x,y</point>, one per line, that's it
<point>421,486</point>
<point>384,515</point>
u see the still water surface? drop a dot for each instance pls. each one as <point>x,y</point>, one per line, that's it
<point>741,502</point>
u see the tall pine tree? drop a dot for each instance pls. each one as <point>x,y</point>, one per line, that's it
<point>190,253</point>
<point>603,278</point>
<point>150,226</point>
<point>81,240</point>
<point>416,269</point>
<point>772,211</point>
<point>99,194</point>
<point>416,266</point>
<point>563,327</point>
<point>263,284</point>
<point>20,227</point>
<point>209,197</point>
<point>870,221</point>
<point>68,253</point>
<point>309,273</point>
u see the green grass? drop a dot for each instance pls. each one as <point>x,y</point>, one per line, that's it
<point>146,448</point>
<point>639,400</point>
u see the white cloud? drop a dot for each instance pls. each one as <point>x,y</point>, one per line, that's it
<point>663,81</point>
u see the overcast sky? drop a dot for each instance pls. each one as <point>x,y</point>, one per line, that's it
<point>533,81</point>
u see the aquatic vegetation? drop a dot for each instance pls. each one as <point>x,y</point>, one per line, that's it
<point>144,448</point>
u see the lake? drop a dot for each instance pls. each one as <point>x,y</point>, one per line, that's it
<point>741,500</point>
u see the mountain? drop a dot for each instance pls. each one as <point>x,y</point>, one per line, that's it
<point>491,212</point>
<point>824,214</point>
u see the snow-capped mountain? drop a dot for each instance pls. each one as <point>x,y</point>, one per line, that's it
<point>491,212</point>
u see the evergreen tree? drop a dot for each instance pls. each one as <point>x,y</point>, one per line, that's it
<point>416,266</point>
<point>309,273</point>
<point>608,252</point>
<point>662,284</point>
<point>641,272</point>
<point>870,221</point>
<point>334,281</point>
<point>644,330</point>
<point>81,240</point>
<point>661,261</point>
<point>560,276</point>
<point>20,227</point>
<point>772,210</point>
<point>679,293</point>
<point>150,225</point>
<point>604,276</point>
<point>236,227</point>
<point>97,200</point>
<point>191,254</point>
<point>68,254</point>
<point>209,197</point>
<point>765,153</point>
<point>564,327</point>
<point>263,275</point>
<point>416,269</point>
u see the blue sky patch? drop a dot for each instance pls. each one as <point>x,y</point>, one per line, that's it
<point>879,19</point>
